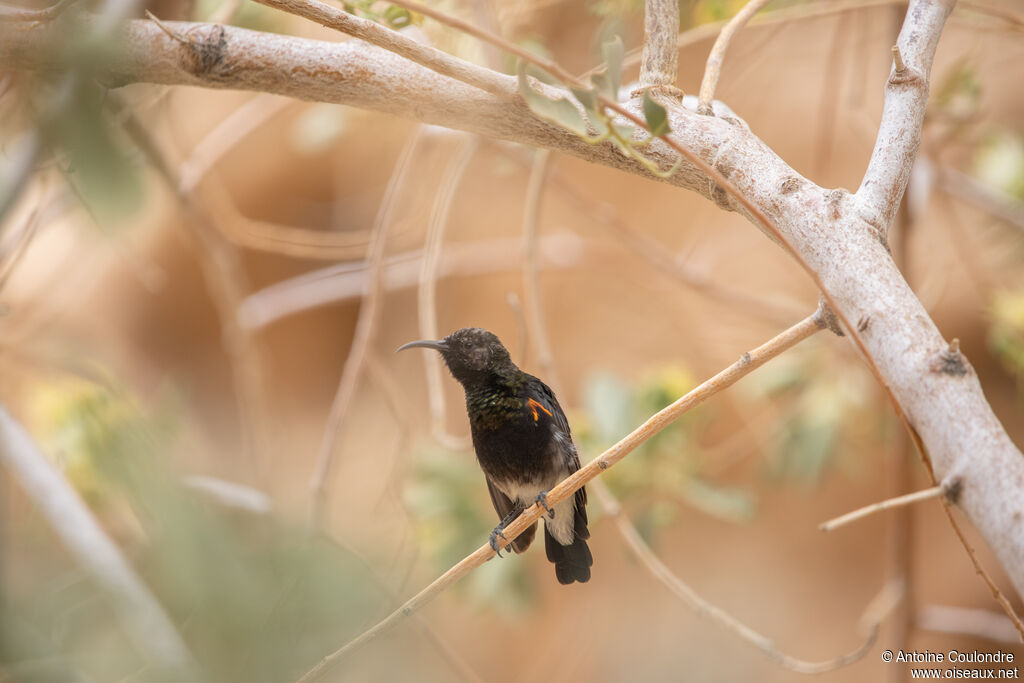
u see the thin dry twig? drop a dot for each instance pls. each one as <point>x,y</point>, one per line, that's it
<point>287,240</point>
<point>427,297</point>
<point>968,621</point>
<point>531,277</point>
<point>366,327</point>
<point>146,623</point>
<point>22,154</point>
<point>650,250</point>
<point>997,594</point>
<point>10,257</point>
<point>372,32</point>
<point>867,510</point>
<point>703,608</point>
<point>226,135</point>
<point>968,189</point>
<point>522,334</point>
<point>401,271</point>
<point>8,13</point>
<point>226,282</point>
<point>713,69</point>
<point>749,362</point>
<point>832,77</point>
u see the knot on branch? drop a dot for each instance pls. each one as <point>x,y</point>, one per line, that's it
<point>835,200</point>
<point>951,362</point>
<point>952,488</point>
<point>205,50</point>
<point>826,318</point>
<point>790,185</point>
<point>901,72</point>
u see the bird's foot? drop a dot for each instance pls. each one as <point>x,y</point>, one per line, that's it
<point>494,539</point>
<point>542,500</point>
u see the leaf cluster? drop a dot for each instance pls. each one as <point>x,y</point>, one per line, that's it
<point>586,115</point>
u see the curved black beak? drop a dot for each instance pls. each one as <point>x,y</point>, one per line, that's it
<point>439,345</point>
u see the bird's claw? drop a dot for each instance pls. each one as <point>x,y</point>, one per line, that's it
<point>494,539</point>
<point>542,500</point>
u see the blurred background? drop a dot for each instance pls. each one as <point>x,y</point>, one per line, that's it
<point>202,292</point>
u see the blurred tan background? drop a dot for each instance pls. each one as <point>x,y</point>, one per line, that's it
<point>730,500</point>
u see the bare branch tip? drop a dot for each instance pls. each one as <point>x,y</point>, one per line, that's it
<point>897,59</point>
<point>163,27</point>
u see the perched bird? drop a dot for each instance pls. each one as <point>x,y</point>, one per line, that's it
<point>523,444</point>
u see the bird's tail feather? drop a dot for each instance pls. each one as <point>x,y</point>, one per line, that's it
<point>572,562</point>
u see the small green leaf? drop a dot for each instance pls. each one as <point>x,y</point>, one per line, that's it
<point>613,52</point>
<point>397,17</point>
<point>561,111</point>
<point>602,84</point>
<point>588,98</point>
<point>657,117</point>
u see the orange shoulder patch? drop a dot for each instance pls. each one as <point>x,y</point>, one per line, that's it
<point>533,405</point>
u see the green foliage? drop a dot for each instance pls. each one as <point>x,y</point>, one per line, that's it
<point>615,8</point>
<point>664,472</point>
<point>382,13</point>
<point>96,161</point>
<point>255,599</point>
<point>1006,332</point>
<point>656,116</point>
<point>958,93</point>
<point>587,117</point>
<point>999,162</point>
<point>823,404</point>
<point>448,498</point>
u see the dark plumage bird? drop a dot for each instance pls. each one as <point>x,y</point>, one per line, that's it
<point>523,444</point>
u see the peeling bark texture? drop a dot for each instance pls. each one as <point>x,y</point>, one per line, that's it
<point>842,237</point>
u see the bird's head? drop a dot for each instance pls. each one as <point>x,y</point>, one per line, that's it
<point>471,353</point>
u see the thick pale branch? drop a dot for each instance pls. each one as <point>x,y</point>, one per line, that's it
<point>906,98</point>
<point>372,32</point>
<point>660,55</point>
<point>726,378</point>
<point>350,73</point>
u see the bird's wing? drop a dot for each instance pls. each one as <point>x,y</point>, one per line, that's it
<point>504,507</point>
<point>572,459</point>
